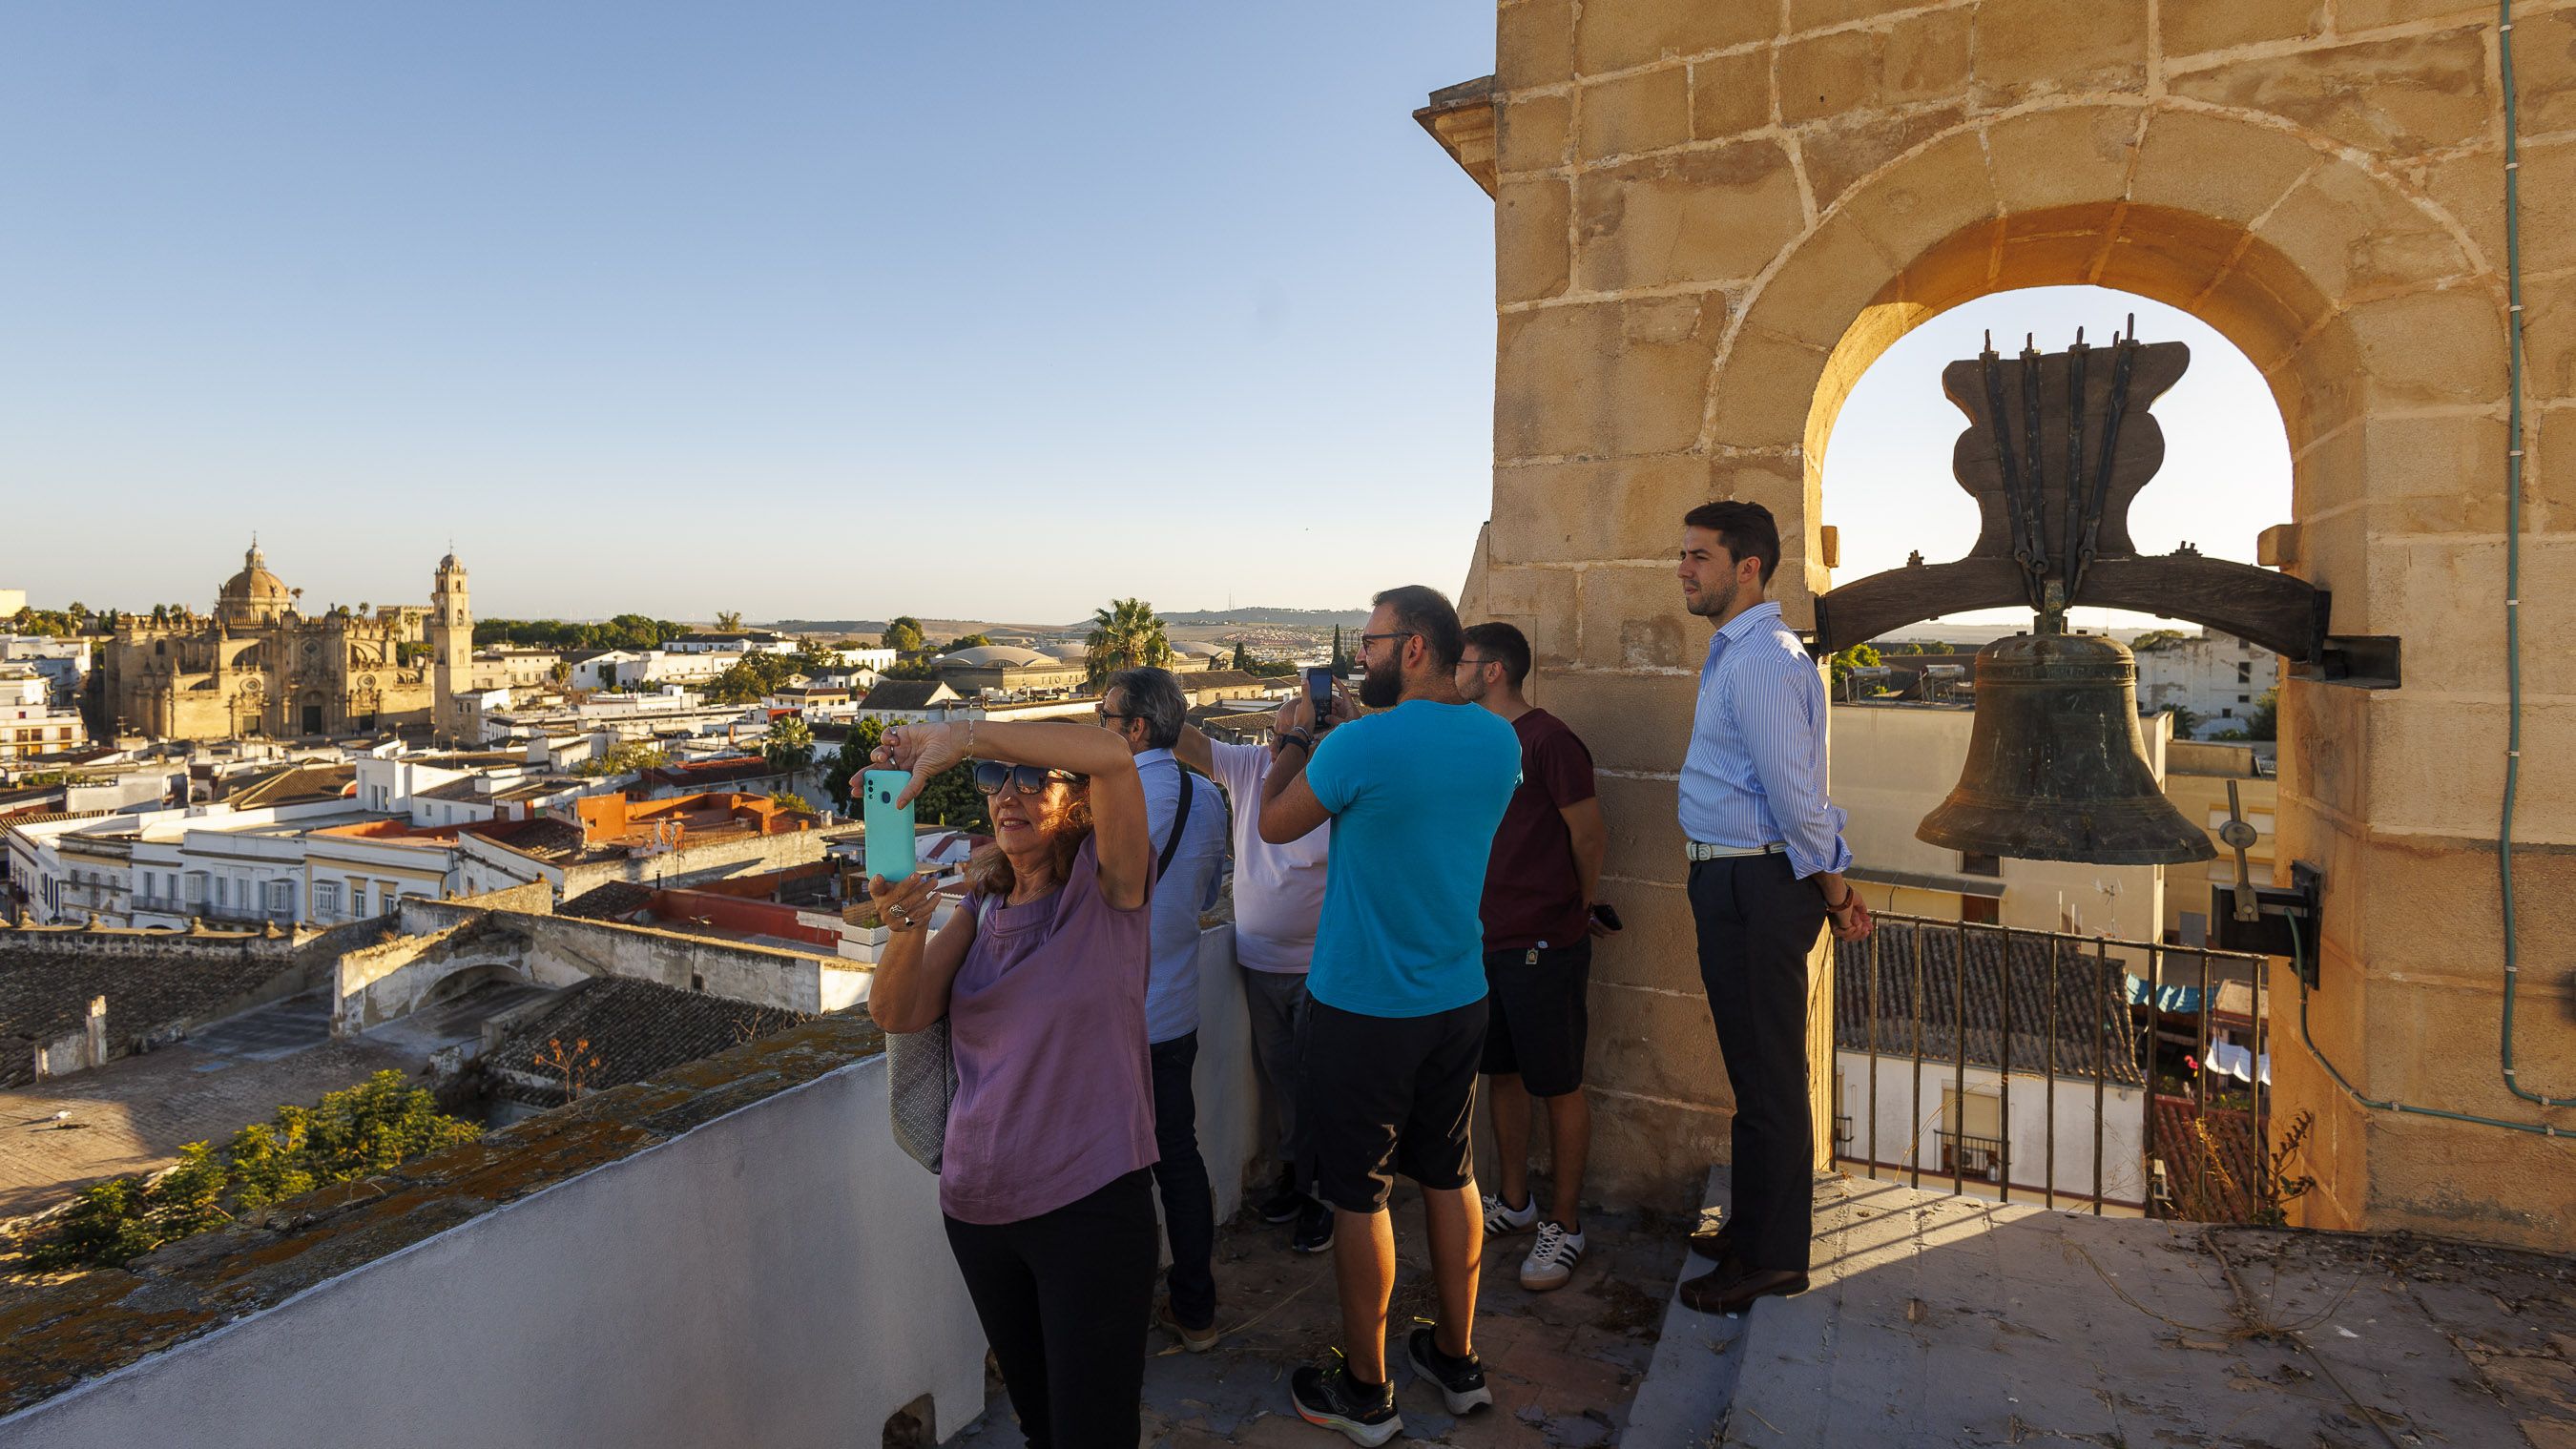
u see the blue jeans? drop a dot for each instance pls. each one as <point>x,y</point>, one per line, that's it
<point>1189,1207</point>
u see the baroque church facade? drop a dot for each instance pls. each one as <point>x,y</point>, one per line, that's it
<point>260,666</point>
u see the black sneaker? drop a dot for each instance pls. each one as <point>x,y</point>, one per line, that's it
<point>1314,1228</point>
<point>1330,1398</point>
<point>1461,1380</point>
<point>1282,1203</point>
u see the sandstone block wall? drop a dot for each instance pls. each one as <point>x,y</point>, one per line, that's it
<point>1711,217</point>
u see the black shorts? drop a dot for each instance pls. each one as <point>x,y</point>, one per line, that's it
<point>1541,1016</point>
<point>1384,1095</point>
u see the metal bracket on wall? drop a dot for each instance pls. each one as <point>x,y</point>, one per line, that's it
<point>2356,661</point>
<point>2267,930</point>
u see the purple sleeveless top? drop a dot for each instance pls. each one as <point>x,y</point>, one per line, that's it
<point>1055,1099</point>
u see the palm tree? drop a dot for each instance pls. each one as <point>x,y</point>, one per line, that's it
<point>1125,634</point>
<point>729,620</point>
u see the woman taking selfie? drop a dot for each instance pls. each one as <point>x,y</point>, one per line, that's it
<point>1045,1178</point>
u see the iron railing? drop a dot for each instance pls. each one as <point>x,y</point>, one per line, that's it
<point>1972,1156</point>
<point>2104,1044</point>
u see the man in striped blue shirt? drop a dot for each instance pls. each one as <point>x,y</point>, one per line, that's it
<point>1766,862</point>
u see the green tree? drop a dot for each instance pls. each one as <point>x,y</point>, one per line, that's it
<point>630,757</point>
<point>1242,656</point>
<point>2185,720</point>
<point>1341,660</point>
<point>362,1131</point>
<point>729,620</point>
<point>971,641</point>
<point>1125,634</point>
<point>952,799</point>
<point>1859,656</point>
<point>757,676</point>
<point>902,635</point>
<point>2265,722</point>
<point>790,745</point>
<point>853,758</point>
<point>2155,639</point>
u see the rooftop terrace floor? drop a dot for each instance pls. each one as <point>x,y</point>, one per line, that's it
<point>1935,1321</point>
<point>1563,1365</point>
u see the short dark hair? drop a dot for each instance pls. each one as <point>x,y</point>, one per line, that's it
<point>1425,612</point>
<point>1153,696</point>
<point>1506,646</point>
<point>1747,530</point>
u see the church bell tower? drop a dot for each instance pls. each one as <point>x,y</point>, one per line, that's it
<point>451,643</point>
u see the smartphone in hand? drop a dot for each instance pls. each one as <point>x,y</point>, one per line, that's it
<point>889,826</point>
<point>1319,695</point>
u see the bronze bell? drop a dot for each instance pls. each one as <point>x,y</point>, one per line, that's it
<point>2057,769</point>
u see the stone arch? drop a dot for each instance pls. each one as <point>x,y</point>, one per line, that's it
<point>2321,268</point>
<point>2378,320</point>
<point>472,978</point>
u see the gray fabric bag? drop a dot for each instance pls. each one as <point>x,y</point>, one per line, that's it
<point>921,1082</point>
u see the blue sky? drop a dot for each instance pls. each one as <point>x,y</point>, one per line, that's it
<point>823,310</point>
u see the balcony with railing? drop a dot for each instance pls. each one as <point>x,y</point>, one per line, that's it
<point>1977,1157</point>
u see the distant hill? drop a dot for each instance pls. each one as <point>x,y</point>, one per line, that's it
<point>1301,618</point>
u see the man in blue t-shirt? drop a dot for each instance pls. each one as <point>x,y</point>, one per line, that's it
<point>1396,1031</point>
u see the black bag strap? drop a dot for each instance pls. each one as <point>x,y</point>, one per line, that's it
<point>1180,820</point>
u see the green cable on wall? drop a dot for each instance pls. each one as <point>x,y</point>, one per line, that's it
<point>2298,953</point>
<point>2512,551</point>
<point>2512,654</point>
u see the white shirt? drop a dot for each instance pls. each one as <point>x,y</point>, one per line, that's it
<point>1278,889</point>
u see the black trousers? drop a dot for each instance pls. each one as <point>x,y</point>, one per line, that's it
<point>1065,1298</point>
<point>1757,922</point>
<point>1189,1207</point>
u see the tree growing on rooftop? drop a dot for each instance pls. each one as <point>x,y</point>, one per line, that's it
<point>790,745</point>
<point>362,1131</point>
<point>1125,634</point>
<point>625,758</point>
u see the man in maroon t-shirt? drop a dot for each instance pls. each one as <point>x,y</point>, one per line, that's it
<point>1540,885</point>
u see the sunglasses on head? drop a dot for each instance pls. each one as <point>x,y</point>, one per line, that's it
<point>991,775</point>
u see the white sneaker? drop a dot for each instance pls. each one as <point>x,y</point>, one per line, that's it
<point>1551,1259</point>
<point>1501,1219</point>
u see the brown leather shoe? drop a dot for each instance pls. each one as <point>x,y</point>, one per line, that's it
<point>1716,1244</point>
<point>1731,1293</point>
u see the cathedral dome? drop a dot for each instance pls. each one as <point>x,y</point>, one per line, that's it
<point>253,596</point>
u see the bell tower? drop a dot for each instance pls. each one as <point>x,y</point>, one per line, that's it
<point>451,643</point>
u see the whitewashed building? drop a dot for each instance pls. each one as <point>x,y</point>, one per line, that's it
<point>2218,677</point>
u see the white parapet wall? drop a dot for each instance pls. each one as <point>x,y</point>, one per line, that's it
<point>777,1277</point>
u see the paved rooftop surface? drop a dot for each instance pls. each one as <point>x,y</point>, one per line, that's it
<point>1932,1321</point>
<point>1956,1321</point>
<point>135,1113</point>
<point>1563,1365</point>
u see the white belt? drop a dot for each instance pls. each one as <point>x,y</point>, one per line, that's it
<point>1702,850</point>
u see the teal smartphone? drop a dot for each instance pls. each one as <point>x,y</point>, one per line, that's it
<point>889,826</point>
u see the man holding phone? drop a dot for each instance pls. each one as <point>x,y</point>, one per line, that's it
<point>1541,890</point>
<point>1278,897</point>
<point>1413,792</point>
